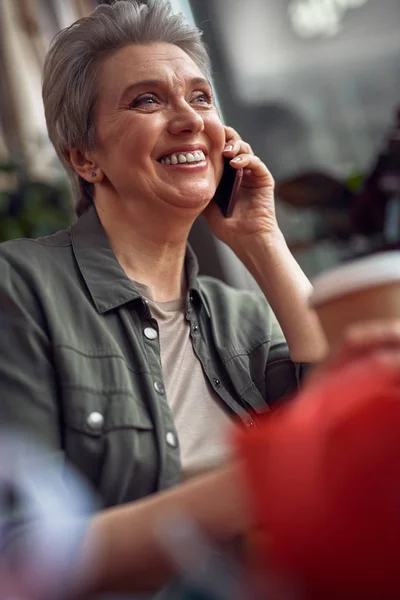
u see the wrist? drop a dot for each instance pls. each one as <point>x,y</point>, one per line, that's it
<point>268,245</point>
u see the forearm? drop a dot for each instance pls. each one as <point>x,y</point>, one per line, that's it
<point>130,559</point>
<point>287,290</point>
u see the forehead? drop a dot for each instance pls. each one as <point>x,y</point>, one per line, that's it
<point>164,62</point>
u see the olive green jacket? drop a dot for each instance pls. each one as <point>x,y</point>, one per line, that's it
<point>80,366</point>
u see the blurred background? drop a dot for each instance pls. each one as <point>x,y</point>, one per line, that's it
<point>313,85</point>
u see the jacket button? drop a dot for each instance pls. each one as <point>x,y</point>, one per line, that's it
<point>216,382</point>
<point>150,333</point>
<point>195,328</point>
<point>95,421</point>
<point>170,438</point>
<point>249,423</point>
<point>159,387</point>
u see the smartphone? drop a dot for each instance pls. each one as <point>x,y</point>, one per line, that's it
<point>226,192</point>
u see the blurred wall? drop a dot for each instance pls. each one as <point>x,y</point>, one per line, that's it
<point>322,102</point>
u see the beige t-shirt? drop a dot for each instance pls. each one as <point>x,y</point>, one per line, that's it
<point>202,424</point>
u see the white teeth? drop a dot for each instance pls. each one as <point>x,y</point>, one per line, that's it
<point>182,158</point>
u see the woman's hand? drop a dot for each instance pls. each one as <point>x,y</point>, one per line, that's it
<point>254,212</point>
<point>253,234</point>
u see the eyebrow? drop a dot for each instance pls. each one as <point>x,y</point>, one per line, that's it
<point>157,83</point>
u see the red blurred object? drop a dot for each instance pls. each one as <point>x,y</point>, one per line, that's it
<point>324,480</point>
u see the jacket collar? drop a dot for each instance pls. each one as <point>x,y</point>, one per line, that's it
<point>105,279</point>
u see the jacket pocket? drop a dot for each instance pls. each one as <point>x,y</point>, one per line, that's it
<point>108,430</point>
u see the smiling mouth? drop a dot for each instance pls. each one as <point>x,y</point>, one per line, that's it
<point>182,158</point>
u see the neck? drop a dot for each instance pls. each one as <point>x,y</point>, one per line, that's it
<point>151,251</point>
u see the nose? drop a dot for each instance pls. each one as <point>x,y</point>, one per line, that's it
<point>185,119</point>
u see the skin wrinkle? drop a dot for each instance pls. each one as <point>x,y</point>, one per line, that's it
<point>173,71</point>
<point>145,208</point>
<point>176,84</point>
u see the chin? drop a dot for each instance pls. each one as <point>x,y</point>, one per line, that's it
<point>194,198</point>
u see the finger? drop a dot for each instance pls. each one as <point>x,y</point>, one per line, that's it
<point>235,144</point>
<point>231,133</point>
<point>360,340</point>
<point>235,147</point>
<point>254,164</point>
<point>388,359</point>
<point>232,147</point>
<point>363,337</point>
<point>383,360</point>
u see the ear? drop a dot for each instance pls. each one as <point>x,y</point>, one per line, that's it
<point>85,165</point>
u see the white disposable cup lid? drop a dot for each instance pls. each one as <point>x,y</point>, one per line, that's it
<point>372,271</point>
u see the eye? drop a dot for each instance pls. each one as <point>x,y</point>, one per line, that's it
<point>144,100</point>
<point>203,98</point>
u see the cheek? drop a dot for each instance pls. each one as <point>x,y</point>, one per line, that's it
<point>216,132</point>
<point>127,139</point>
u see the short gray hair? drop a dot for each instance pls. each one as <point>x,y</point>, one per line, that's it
<point>73,63</point>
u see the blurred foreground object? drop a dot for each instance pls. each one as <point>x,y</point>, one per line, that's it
<point>323,472</point>
<point>361,291</point>
<point>49,518</point>
<point>205,571</point>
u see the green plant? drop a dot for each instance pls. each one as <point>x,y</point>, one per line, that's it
<point>31,208</point>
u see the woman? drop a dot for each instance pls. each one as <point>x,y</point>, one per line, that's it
<point>115,354</point>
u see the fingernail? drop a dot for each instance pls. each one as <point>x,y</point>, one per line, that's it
<point>228,148</point>
<point>237,159</point>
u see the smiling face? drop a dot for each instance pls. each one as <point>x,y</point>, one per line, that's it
<point>159,135</point>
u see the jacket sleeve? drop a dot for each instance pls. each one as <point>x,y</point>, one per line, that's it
<point>28,386</point>
<point>282,376</point>
<point>29,410</point>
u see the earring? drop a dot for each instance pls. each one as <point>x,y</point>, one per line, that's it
<point>94,173</point>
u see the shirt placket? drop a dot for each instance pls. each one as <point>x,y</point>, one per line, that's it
<point>170,465</point>
<point>197,315</point>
